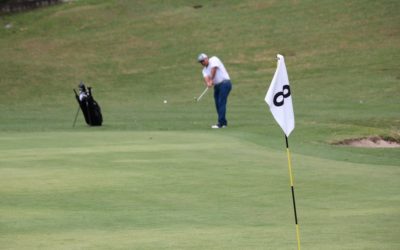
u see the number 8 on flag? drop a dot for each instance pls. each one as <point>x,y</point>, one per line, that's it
<point>279,98</point>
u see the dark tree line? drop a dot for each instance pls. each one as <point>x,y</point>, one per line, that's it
<point>10,6</point>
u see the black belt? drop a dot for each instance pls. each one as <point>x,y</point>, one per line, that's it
<point>222,82</point>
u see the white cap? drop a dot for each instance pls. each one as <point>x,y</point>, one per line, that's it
<point>201,57</point>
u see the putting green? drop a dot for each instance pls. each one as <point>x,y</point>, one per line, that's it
<point>183,190</point>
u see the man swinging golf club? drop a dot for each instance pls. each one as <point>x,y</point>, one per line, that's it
<point>215,74</point>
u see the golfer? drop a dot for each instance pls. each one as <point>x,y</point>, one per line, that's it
<point>215,74</point>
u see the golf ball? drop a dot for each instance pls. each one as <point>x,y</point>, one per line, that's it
<point>165,101</point>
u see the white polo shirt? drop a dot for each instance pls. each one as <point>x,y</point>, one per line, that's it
<point>220,75</point>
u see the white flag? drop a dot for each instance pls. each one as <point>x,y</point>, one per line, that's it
<point>279,98</point>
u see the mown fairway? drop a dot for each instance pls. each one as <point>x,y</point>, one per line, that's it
<point>155,176</point>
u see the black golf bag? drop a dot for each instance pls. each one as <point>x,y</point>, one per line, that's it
<point>90,108</point>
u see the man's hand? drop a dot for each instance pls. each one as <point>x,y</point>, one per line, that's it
<point>208,81</point>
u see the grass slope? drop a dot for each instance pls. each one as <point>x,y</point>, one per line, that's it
<point>154,176</point>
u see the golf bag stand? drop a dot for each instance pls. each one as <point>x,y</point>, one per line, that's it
<point>90,108</point>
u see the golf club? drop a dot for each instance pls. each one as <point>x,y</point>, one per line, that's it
<point>204,92</point>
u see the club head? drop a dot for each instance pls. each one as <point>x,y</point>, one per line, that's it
<point>81,87</point>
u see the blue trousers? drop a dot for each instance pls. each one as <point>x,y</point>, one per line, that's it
<point>221,92</point>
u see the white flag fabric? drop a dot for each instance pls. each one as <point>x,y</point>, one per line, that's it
<point>279,98</point>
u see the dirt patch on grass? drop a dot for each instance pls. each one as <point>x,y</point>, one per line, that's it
<point>371,142</point>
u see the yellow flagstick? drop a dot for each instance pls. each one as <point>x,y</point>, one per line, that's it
<point>293,198</point>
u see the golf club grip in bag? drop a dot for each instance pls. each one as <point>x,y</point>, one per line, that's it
<point>90,108</point>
